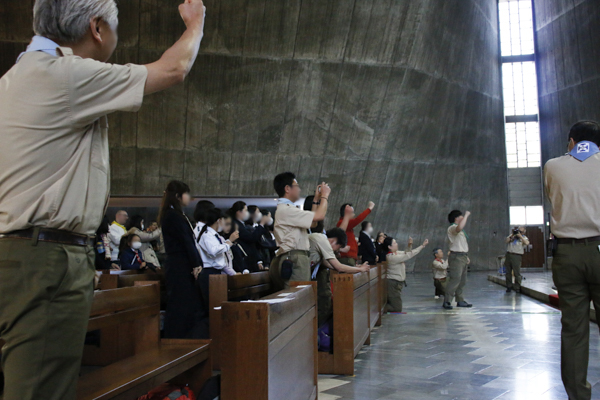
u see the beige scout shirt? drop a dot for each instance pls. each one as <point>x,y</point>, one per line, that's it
<point>396,266</point>
<point>458,240</point>
<point>291,225</point>
<point>573,189</point>
<point>54,162</point>
<point>517,246</point>
<point>320,249</point>
<point>439,269</point>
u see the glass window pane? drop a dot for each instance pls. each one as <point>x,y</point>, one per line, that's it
<point>518,216</point>
<point>516,27</point>
<point>534,215</point>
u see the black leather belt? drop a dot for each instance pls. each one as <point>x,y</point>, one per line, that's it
<point>514,254</point>
<point>578,241</point>
<point>458,252</point>
<point>51,236</point>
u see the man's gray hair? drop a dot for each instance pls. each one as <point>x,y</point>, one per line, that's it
<point>67,21</point>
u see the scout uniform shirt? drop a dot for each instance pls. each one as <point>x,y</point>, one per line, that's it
<point>440,268</point>
<point>54,164</point>
<point>320,249</point>
<point>573,189</point>
<point>458,240</point>
<point>396,266</point>
<point>516,246</point>
<point>291,227</point>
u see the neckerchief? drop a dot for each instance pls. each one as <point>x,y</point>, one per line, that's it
<point>584,150</point>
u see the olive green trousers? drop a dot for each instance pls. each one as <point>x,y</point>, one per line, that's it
<point>46,292</point>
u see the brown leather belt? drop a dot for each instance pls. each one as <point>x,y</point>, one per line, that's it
<point>51,236</point>
<point>578,241</point>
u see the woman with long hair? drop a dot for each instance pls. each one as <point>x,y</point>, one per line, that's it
<point>185,313</point>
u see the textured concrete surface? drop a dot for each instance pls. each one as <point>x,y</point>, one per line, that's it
<point>394,101</point>
<point>568,37</point>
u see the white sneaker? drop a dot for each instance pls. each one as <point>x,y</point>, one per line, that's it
<point>436,297</point>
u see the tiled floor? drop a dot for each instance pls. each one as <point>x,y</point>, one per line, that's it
<point>506,347</point>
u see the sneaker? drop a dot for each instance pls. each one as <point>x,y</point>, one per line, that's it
<point>447,306</point>
<point>508,290</point>
<point>436,297</point>
<point>463,304</point>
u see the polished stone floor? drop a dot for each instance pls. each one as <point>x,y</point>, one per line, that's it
<point>506,347</point>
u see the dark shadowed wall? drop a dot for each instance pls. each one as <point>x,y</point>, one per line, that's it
<point>568,40</point>
<point>395,101</point>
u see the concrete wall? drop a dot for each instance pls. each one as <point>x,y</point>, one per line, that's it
<point>394,101</point>
<point>568,38</point>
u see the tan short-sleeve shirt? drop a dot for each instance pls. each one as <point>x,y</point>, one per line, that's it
<point>573,189</point>
<point>320,248</point>
<point>290,229</point>
<point>516,246</point>
<point>54,162</point>
<point>458,240</point>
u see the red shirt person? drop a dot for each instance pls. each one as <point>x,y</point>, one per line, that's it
<point>348,222</point>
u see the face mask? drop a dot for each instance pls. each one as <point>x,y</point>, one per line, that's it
<point>220,228</point>
<point>257,218</point>
<point>369,231</point>
<point>142,226</point>
<point>270,221</point>
<point>246,216</point>
<point>136,245</point>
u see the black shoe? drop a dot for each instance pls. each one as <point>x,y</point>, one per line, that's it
<point>508,290</point>
<point>464,304</point>
<point>447,306</point>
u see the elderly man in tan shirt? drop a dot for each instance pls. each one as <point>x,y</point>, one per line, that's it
<point>54,180</point>
<point>571,184</point>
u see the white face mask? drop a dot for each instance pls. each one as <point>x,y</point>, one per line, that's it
<point>246,216</point>
<point>257,218</point>
<point>142,226</point>
<point>220,227</point>
<point>369,230</point>
<point>136,245</point>
<point>270,221</point>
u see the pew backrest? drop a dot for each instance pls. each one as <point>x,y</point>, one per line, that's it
<point>270,349</point>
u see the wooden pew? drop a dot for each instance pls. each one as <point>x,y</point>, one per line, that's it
<point>232,288</point>
<point>270,350</point>
<point>383,286</point>
<point>374,299</point>
<point>351,322</point>
<point>145,361</point>
<point>112,339</point>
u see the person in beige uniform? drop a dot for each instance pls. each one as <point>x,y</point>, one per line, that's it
<point>292,262</point>
<point>458,260</point>
<point>571,184</point>
<point>396,273</point>
<point>440,272</point>
<point>322,259</point>
<point>515,248</point>
<point>54,180</point>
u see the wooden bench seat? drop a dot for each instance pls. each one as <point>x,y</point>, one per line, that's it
<point>143,360</point>
<point>136,376</point>
<point>270,350</point>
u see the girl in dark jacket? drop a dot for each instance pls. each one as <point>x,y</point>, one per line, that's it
<point>130,254</point>
<point>185,317</point>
